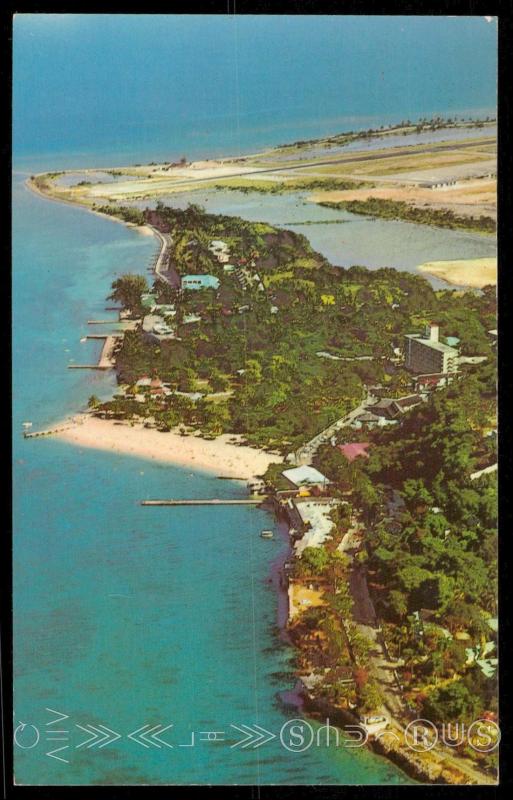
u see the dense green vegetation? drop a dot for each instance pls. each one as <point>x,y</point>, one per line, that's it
<point>127,290</point>
<point>330,641</point>
<point>400,210</point>
<point>126,213</point>
<point>263,336</point>
<point>282,187</point>
<point>431,544</point>
<point>252,353</point>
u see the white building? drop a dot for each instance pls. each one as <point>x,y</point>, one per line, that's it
<point>425,354</point>
<point>316,520</point>
<point>305,476</point>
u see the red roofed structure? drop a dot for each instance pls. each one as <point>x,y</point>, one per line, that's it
<point>354,449</point>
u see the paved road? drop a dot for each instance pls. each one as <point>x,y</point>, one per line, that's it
<point>363,608</point>
<point>305,454</point>
<point>165,242</point>
<point>168,275</point>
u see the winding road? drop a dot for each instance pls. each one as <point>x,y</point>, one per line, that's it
<point>169,275</point>
<point>305,454</point>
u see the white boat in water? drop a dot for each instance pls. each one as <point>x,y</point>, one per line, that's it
<point>267,535</point>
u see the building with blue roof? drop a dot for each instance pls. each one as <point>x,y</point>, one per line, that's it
<point>200,282</point>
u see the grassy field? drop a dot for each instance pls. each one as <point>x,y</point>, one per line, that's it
<point>406,163</point>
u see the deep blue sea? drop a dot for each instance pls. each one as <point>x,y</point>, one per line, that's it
<point>126,616</point>
<point>96,90</point>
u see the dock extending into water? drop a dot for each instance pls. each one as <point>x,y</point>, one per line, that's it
<point>85,366</point>
<point>48,431</point>
<point>255,501</point>
<point>106,360</point>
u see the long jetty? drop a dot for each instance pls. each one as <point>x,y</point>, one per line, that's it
<point>48,431</point>
<point>209,502</point>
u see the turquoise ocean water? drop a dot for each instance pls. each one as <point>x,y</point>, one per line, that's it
<point>126,616</point>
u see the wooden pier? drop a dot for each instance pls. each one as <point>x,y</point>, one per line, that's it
<point>209,502</point>
<point>96,336</point>
<point>106,360</point>
<point>85,366</point>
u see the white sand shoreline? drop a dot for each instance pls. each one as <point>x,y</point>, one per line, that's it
<point>218,456</point>
<point>472,272</point>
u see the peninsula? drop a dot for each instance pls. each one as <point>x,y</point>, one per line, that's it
<point>360,404</point>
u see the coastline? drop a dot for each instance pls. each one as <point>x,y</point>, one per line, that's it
<point>241,461</point>
<point>171,448</point>
<point>473,272</point>
<point>30,185</point>
<point>459,273</point>
<point>216,456</point>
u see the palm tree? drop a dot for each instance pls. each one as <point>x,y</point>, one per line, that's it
<point>128,289</point>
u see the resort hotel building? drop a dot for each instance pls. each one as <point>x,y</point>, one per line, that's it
<point>424,354</point>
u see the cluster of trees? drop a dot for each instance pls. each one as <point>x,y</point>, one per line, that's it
<point>193,230</point>
<point>328,637</point>
<point>128,290</point>
<point>283,391</point>
<point>399,209</point>
<point>432,551</point>
<point>281,187</point>
<point>170,411</point>
<point>126,213</point>
<point>431,543</point>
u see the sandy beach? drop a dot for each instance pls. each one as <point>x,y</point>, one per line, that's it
<point>473,272</point>
<point>217,456</point>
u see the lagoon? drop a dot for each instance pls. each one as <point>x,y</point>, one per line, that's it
<point>357,240</point>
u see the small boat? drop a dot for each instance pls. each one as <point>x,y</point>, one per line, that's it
<point>267,535</point>
<point>83,339</point>
<point>27,424</point>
